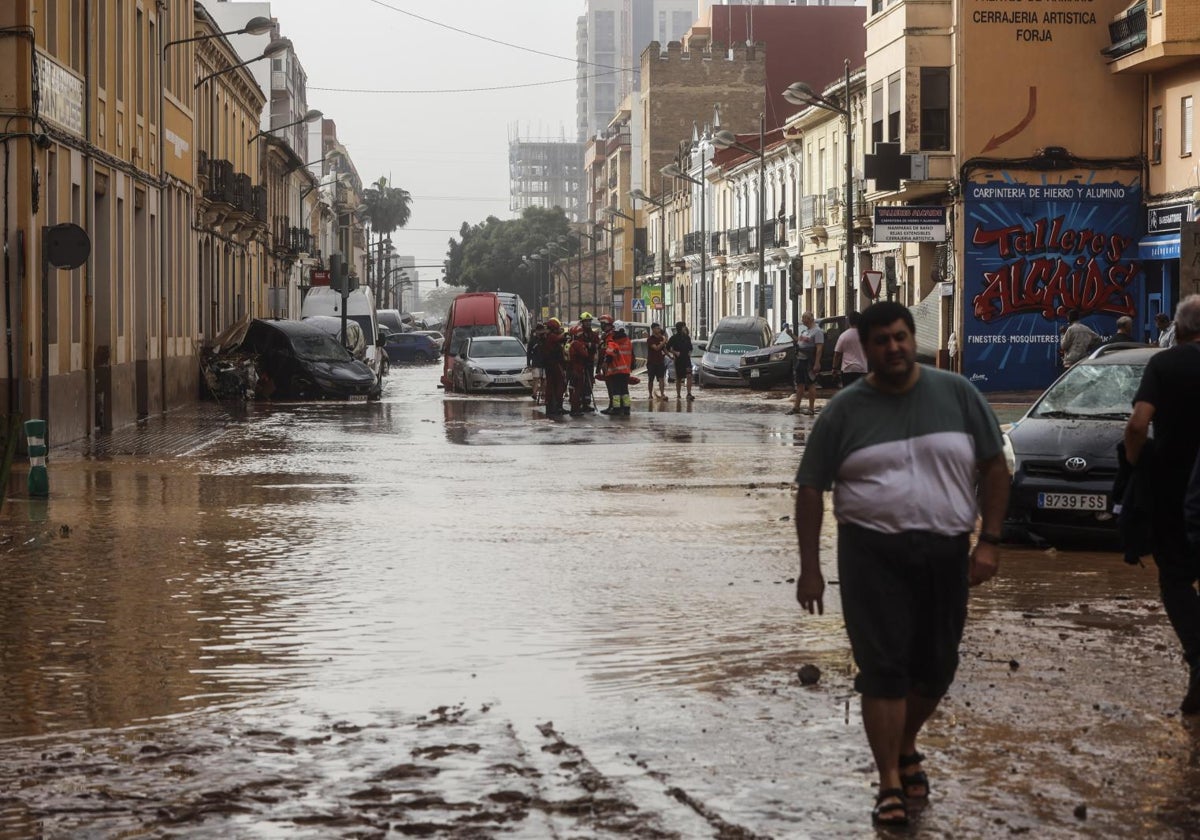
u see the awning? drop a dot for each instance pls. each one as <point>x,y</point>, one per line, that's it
<point>1162,247</point>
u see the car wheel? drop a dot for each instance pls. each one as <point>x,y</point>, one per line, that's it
<point>422,357</point>
<point>385,366</point>
<point>298,386</point>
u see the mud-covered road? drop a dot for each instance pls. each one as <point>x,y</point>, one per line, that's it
<point>443,616</point>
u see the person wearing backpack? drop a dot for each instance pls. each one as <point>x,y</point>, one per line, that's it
<point>1078,341</point>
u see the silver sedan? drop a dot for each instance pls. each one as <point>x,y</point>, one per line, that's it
<point>491,363</point>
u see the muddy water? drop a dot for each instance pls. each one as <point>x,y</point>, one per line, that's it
<point>444,616</point>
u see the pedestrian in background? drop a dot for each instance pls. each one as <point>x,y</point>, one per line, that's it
<point>849,360</point>
<point>679,346</point>
<point>1168,400</point>
<point>810,343</point>
<point>656,360</point>
<point>902,452</point>
<point>1166,329</point>
<point>1124,331</point>
<point>537,367</point>
<point>1078,340</point>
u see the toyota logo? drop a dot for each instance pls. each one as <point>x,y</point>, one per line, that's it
<point>1076,464</point>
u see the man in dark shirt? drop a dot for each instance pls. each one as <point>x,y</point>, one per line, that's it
<point>1169,398</point>
<point>679,347</point>
<point>656,360</point>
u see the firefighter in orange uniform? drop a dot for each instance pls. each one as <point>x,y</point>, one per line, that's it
<point>618,355</point>
<point>579,371</point>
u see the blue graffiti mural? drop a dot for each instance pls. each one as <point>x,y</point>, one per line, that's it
<point>1035,251</point>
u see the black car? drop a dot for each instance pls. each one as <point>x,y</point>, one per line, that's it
<point>773,365</point>
<point>299,360</point>
<point>1064,450</point>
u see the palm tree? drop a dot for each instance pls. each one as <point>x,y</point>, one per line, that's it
<point>388,208</point>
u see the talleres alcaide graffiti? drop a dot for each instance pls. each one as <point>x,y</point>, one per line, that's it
<point>1035,251</point>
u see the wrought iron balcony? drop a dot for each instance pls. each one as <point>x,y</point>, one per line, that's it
<point>1127,33</point>
<point>220,181</point>
<point>242,187</point>
<point>258,204</point>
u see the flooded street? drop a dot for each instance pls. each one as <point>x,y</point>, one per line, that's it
<point>446,616</point>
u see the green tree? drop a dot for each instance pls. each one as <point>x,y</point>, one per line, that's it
<point>488,256</point>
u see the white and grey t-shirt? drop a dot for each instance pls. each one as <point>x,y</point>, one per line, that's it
<point>903,462</point>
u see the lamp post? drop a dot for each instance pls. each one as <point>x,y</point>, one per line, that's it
<point>612,280</point>
<point>558,253</point>
<point>616,213</point>
<point>254,26</point>
<point>725,140</point>
<point>311,115</point>
<point>279,45</point>
<point>638,195</point>
<point>595,240</point>
<point>798,93</point>
<point>672,170</point>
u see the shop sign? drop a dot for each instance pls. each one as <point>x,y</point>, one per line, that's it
<point>1167,219</point>
<point>61,94</point>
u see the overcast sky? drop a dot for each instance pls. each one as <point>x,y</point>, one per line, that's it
<point>449,150</point>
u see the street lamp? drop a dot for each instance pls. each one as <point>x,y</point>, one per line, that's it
<point>254,26</point>
<point>612,280</point>
<point>616,213</point>
<point>311,115</point>
<point>725,140</point>
<point>672,170</point>
<point>595,240</point>
<point>276,47</point>
<point>798,93</point>
<point>638,195</point>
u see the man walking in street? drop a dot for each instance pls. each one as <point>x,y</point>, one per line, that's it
<point>810,342</point>
<point>1168,399</point>
<point>849,360</point>
<point>902,451</point>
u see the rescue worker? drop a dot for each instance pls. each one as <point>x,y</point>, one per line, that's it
<point>579,366</point>
<point>593,342</point>
<point>554,359</point>
<point>618,353</point>
<point>606,325</point>
<point>533,358</point>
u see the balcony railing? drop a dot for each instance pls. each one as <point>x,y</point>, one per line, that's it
<point>1128,33</point>
<point>716,244</point>
<point>280,233</point>
<point>691,243</point>
<point>740,240</point>
<point>242,186</point>
<point>299,240</point>
<point>768,234</point>
<point>812,210</point>
<point>220,181</point>
<point>258,203</point>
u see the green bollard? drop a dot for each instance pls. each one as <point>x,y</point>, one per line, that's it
<point>39,479</point>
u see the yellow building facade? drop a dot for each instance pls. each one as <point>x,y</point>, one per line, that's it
<point>99,135</point>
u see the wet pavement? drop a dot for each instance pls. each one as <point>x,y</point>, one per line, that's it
<point>448,616</point>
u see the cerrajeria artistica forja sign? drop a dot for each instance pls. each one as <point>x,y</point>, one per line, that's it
<point>1035,251</point>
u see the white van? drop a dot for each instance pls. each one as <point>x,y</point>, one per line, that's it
<point>360,308</point>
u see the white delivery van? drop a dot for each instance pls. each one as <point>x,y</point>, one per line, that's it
<point>360,308</point>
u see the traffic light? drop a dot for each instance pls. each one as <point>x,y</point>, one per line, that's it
<point>339,274</point>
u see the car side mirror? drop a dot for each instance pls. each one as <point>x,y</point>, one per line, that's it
<point>703,345</point>
<point>382,337</point>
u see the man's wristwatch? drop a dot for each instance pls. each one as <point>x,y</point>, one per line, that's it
<point>990,539</point>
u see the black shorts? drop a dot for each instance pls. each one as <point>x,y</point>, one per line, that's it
<point>683,366</point>
<point>904,600</point>
<point>656,370</point>
<point>802,373</point>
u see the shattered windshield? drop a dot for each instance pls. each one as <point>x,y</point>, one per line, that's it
<point>1099,391</point>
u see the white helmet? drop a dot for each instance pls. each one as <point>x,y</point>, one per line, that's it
<point>618,326</point>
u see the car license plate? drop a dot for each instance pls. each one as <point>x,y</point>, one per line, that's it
<point>1072,501</point>
<point>504,380</point>
<point>755,373</point>
<point>357,398</point>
